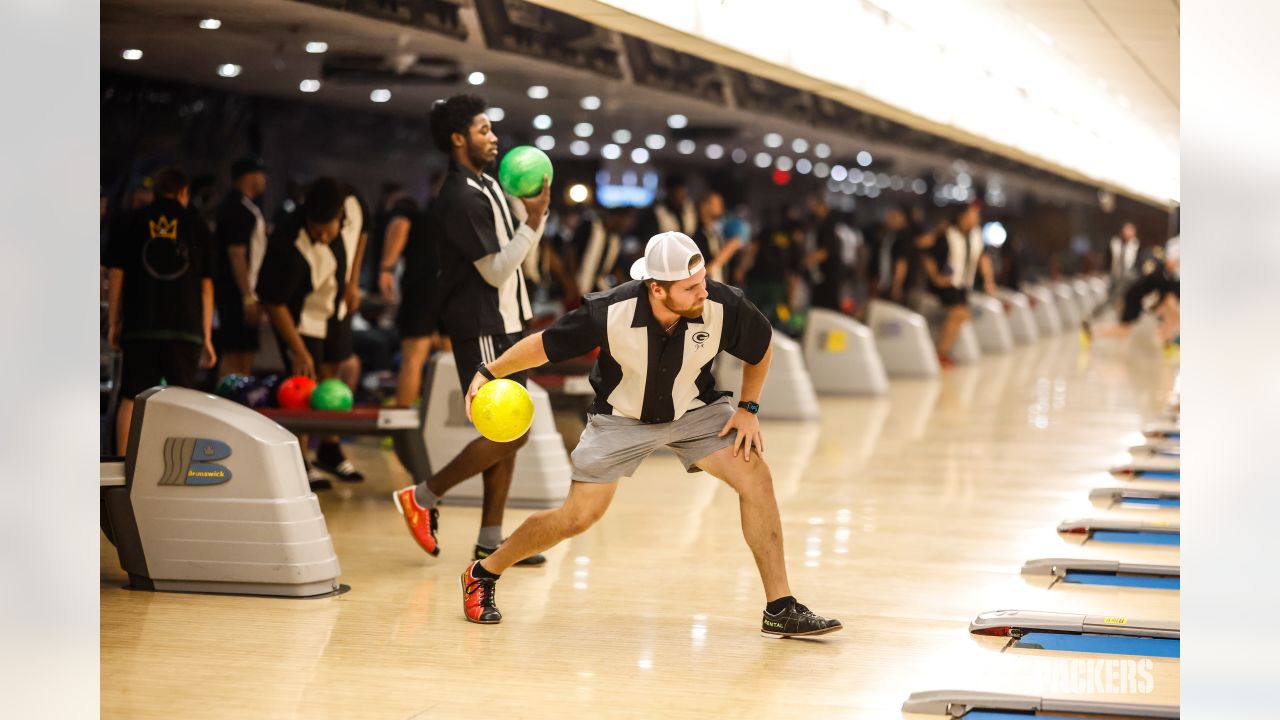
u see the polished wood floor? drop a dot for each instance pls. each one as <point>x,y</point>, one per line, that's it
<point>904,516</point>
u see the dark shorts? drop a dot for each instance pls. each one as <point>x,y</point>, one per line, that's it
<point>334,347</point>
<point>952,296</point>
<point>416,317</point>
<point>146,362</point>
<point>470,352</point>
<point>233,333</point>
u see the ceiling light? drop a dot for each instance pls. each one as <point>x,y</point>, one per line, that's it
<point>686,147</point>
<point>622,137</point>
<point>228,70</point>
<point>763,160</point>
<point>496,114</point>
<point>476,78</point>
<point>545,142</point>
<point>210,24</point>
<point>578,192</point>
<point>864,158</point>
<point>611,152</point>
<point>783,163</point>
<point>822,150</point>
<point>919,186</point>
<point>542,122</point>
<point>583,129</point>
<point>838,173</point>
<point>773,140</point>
<point>803,166</point>
<point>639,156</point>
<point>821,170</point>
<point>309,86</point>
<point>739,155</point>
<point>315,47</point>
<point>655,141</point>
<point>579,147</point>
<point>675,122</point>
<point>380,95</point>
<point>131,54</point>
<point>714,151</point>
<point>590,102</point>
<point>538,92</point>
<point>799,145</point>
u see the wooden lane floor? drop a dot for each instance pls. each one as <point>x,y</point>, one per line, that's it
<point>904,516</point>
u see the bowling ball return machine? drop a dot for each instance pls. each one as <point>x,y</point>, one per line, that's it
<point>212,497</point>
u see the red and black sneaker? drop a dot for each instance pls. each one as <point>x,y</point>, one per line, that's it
<point>796,620</point>
<point>422,521</point>
<point>478,597</point>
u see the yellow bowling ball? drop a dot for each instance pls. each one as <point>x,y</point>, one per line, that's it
<point>502,410</point>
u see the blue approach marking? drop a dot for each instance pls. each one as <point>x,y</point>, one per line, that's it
<point>1141,538</point>
<point>1106,644</point>
<point>1157,502</point>
<point>1159,474</point>
<point>1140,581</point>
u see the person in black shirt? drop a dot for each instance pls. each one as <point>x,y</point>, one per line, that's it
<point>412,236</point>
<point>710,240</point>
<point>769,265</point>
<point>594,250</point>
<point>483,304</point>
<point>241,241</point>
<point>881,240</point>
<point>160,300</point>
<point>831,262</point>
<point>658,336</point>
<point>952,260</point>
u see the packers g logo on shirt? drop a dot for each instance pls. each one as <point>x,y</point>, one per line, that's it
<point>189,461</point>
<point>701,337</point>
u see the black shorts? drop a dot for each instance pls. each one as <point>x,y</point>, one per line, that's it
<point>233,333</point>
<point>334,347</point>
<point>416,317</point>
<point>952,296</point>
<point>146,362</point>
<point>468,353</point>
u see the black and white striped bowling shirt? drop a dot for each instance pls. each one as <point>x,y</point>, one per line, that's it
<point>642,372</point>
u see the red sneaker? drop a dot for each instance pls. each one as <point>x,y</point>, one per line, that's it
<point>478,597</point>
<point>422,521</point>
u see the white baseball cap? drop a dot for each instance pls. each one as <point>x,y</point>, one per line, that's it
<point>666,258</point>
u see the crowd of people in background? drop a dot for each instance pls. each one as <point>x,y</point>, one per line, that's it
<point>340,287</point>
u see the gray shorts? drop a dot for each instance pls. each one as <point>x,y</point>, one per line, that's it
<point>613,447</point>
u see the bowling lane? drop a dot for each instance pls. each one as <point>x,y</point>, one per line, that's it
<point>905,516</point>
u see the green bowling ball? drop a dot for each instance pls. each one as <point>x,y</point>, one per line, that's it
<point>522,169</point>
<point>331,394</point>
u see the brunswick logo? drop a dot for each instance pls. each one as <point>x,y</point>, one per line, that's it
<point>189,461</point>
<point>163,227</point>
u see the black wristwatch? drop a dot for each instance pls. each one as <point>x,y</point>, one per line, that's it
<point>751,407</point>
<point>485,372</point>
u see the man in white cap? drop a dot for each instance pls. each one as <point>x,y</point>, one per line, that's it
<point>658,336</point>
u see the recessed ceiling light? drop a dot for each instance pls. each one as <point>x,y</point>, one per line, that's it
<point>622,136</point>
<point>773,140</point>
<point>496,114</point>
<point>864,158</point>
<point>677,121</point>
<point>583,129</point>
<point>639,156</point>
<point>655,141</point>
<point>763,159</point>
<point>739,155</point>
<point>822,150</point>
<point>315,47</point>
<point>476,78</point>
<point>799,145</point>
<point>309,86</point>
<point>380,95</point>
<point>131,54</point>
<point>538,92</point>
<point>579,147</point>
<point>210,24</point>
<point>611,152</point>
<point>545,142</point>
<point>686,147</point>
<point>542,122</point>
<point>714,151</point>
<point>590,102</point>
<point>579,192</point>
<point>228,70</point>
